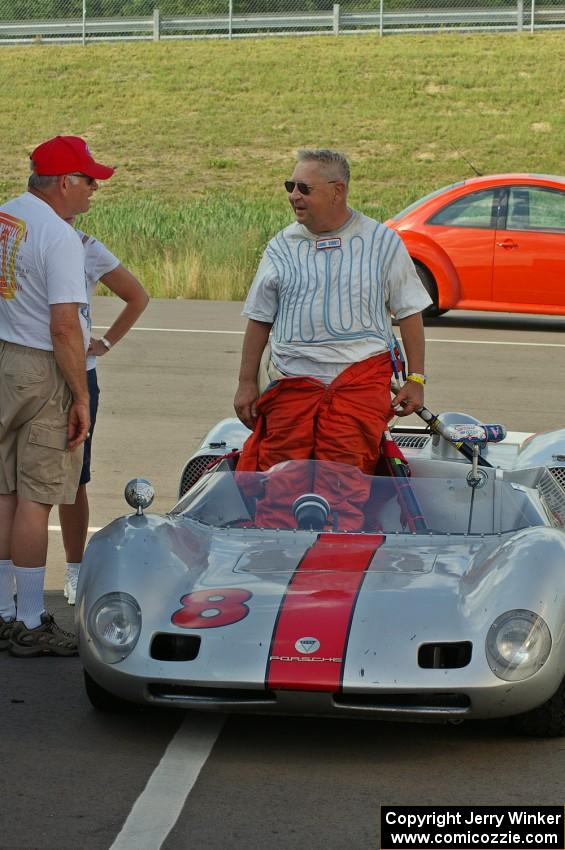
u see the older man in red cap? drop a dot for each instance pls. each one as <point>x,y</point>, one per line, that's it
<point>44,412</point>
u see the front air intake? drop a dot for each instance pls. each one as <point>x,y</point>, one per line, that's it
<point>167,647</point>
<point>203,695</point>
<point>404,703</point>
<point>445,656</point>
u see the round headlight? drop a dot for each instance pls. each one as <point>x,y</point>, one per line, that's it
<point>517,645</point>
<point>114,625</point>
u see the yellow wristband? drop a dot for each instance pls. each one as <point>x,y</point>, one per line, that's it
<point>416,378</point>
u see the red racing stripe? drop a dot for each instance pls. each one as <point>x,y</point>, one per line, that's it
<point>319,604</point>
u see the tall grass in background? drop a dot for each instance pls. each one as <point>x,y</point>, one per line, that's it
<point>206,249</point>
<point>205,133</point>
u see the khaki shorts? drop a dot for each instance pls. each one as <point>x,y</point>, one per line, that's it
<point>34,406</point>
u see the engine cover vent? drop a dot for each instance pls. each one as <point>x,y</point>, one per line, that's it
<point>551,488</point>
<point>193,470</point>
<point>411,441</point>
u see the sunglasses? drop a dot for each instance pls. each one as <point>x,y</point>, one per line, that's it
<point>303,188</point>
<point>89,180</point>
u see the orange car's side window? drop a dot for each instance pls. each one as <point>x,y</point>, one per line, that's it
<point>536,208</point>
<point>478,210</point>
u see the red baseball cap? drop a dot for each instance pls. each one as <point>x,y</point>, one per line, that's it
<point>65,155</point>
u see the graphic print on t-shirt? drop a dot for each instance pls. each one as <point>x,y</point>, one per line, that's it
<point>12,231</point>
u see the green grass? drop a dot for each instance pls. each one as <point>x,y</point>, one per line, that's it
<point>204,249</point>
<point>204,133</point>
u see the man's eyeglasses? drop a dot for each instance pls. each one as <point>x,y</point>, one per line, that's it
<point>89,180</point>
<point>303,188</point>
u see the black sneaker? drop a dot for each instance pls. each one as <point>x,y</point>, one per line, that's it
<point>6,629</point>
<point>46,639</point>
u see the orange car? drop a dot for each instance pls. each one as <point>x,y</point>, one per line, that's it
<point>490,243</point>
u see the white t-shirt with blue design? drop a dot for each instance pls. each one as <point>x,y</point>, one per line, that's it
<point>330,298</point>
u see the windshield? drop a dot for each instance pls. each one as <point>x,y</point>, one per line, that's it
<point>318,495</point>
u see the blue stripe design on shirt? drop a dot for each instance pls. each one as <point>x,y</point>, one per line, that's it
<point>302,270</point>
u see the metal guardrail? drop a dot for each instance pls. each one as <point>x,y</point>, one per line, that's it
<point>334,22</point>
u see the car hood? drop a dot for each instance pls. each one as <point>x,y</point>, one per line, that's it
<point>304,610</point>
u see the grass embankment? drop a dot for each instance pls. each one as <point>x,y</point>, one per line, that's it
<point>205,132</point>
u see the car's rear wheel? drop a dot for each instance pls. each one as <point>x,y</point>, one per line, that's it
<point>428,281</point>
<point>103,700</point>
<point>546,721</point>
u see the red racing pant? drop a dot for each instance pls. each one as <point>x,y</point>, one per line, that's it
<point>301,419</point>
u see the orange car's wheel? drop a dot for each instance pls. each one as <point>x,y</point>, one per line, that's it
<point>428,280</point>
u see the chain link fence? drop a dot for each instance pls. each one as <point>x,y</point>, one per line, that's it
<point>25,21</point>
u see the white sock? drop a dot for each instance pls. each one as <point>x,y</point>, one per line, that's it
<point>29,586</point>
<point>72,569</point>
<point>7,590</point>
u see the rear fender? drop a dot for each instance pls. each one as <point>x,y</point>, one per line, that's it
<point>428,254</point>
<point>226,436</point>
<point>544,449</point>
<point>546,454</point>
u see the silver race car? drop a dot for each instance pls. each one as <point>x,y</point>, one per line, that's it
<point>446,603</point>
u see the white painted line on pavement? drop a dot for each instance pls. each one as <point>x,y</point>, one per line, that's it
<point>91,528</point>
<point>499,342</point>
<point>428,339</point>
<point>174,330</point>
<point>157,809</point>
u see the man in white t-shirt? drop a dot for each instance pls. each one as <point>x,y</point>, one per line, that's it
<point>44,418</point>
<point>326,286</point>
<point>100,265</point>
